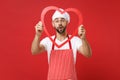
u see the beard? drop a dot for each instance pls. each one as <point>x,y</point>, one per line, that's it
<point>60,29</point>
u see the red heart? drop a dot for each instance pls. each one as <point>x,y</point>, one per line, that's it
<point>45,10</point>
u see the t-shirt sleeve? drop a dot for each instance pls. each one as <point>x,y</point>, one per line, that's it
<point>78,42</point>
<point>44,42</point>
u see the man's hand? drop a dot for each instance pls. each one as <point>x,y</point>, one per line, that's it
<point>39,28</point>
<point>85,49</point>
<point>81,31</point>
<point>36,46</point>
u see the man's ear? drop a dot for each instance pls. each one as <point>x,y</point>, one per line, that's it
<point>67,22</point>
<point>53,24</point>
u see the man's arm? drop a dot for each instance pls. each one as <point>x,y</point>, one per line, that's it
<point>36,47</point>
<point>85,48</point>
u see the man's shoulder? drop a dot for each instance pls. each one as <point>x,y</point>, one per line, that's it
<point>53,36</point>
<point>75,37</point>
<point>47,38</point>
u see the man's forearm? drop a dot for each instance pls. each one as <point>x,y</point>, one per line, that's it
<point>85,48</point>
<point>35,48</point>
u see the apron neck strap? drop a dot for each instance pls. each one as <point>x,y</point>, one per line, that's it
<point>69,43</point>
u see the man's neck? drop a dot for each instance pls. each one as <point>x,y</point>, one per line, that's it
<point>61,37</point>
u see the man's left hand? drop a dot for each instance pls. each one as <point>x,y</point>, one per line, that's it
<point>81,31</point>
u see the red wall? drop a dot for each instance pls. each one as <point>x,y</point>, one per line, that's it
<point>18,18</point>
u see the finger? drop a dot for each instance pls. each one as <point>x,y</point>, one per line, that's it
<point>39,28</point>
<point>82,29</point>
<point>81,25</point>
<point>39,23</point>
<point>81,32</point>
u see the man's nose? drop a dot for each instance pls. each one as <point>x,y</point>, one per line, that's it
<point>60,22</point>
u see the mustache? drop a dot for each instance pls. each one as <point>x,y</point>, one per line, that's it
<point>60,26</point>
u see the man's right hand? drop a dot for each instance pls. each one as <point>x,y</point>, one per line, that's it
<point>39,28</point>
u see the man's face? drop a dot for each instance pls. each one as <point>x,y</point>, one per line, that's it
<point>60,25</point>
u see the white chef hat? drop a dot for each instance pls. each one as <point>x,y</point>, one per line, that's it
<point>58,14</point>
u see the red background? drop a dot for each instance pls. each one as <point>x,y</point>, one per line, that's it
<point>18,18</point>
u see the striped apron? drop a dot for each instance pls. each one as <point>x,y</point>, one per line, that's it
<point>61,65</point>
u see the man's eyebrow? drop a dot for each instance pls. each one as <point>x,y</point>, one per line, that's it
<point>56,18</point>
<point>60,18</point>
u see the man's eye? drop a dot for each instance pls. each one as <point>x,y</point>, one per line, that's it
<point>63,20</point>
<point>56,21</point>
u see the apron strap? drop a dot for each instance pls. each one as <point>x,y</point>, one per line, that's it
<point>53,44</point>
<point>69,43</point>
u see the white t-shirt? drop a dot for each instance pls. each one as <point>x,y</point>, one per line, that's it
<point>75,43</point>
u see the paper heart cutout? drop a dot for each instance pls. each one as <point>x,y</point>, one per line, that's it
<point>45,10</point>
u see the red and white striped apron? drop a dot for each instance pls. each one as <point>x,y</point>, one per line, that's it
<point>61,65</point>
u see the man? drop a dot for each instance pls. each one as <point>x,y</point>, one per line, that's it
<point>61,60</point>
